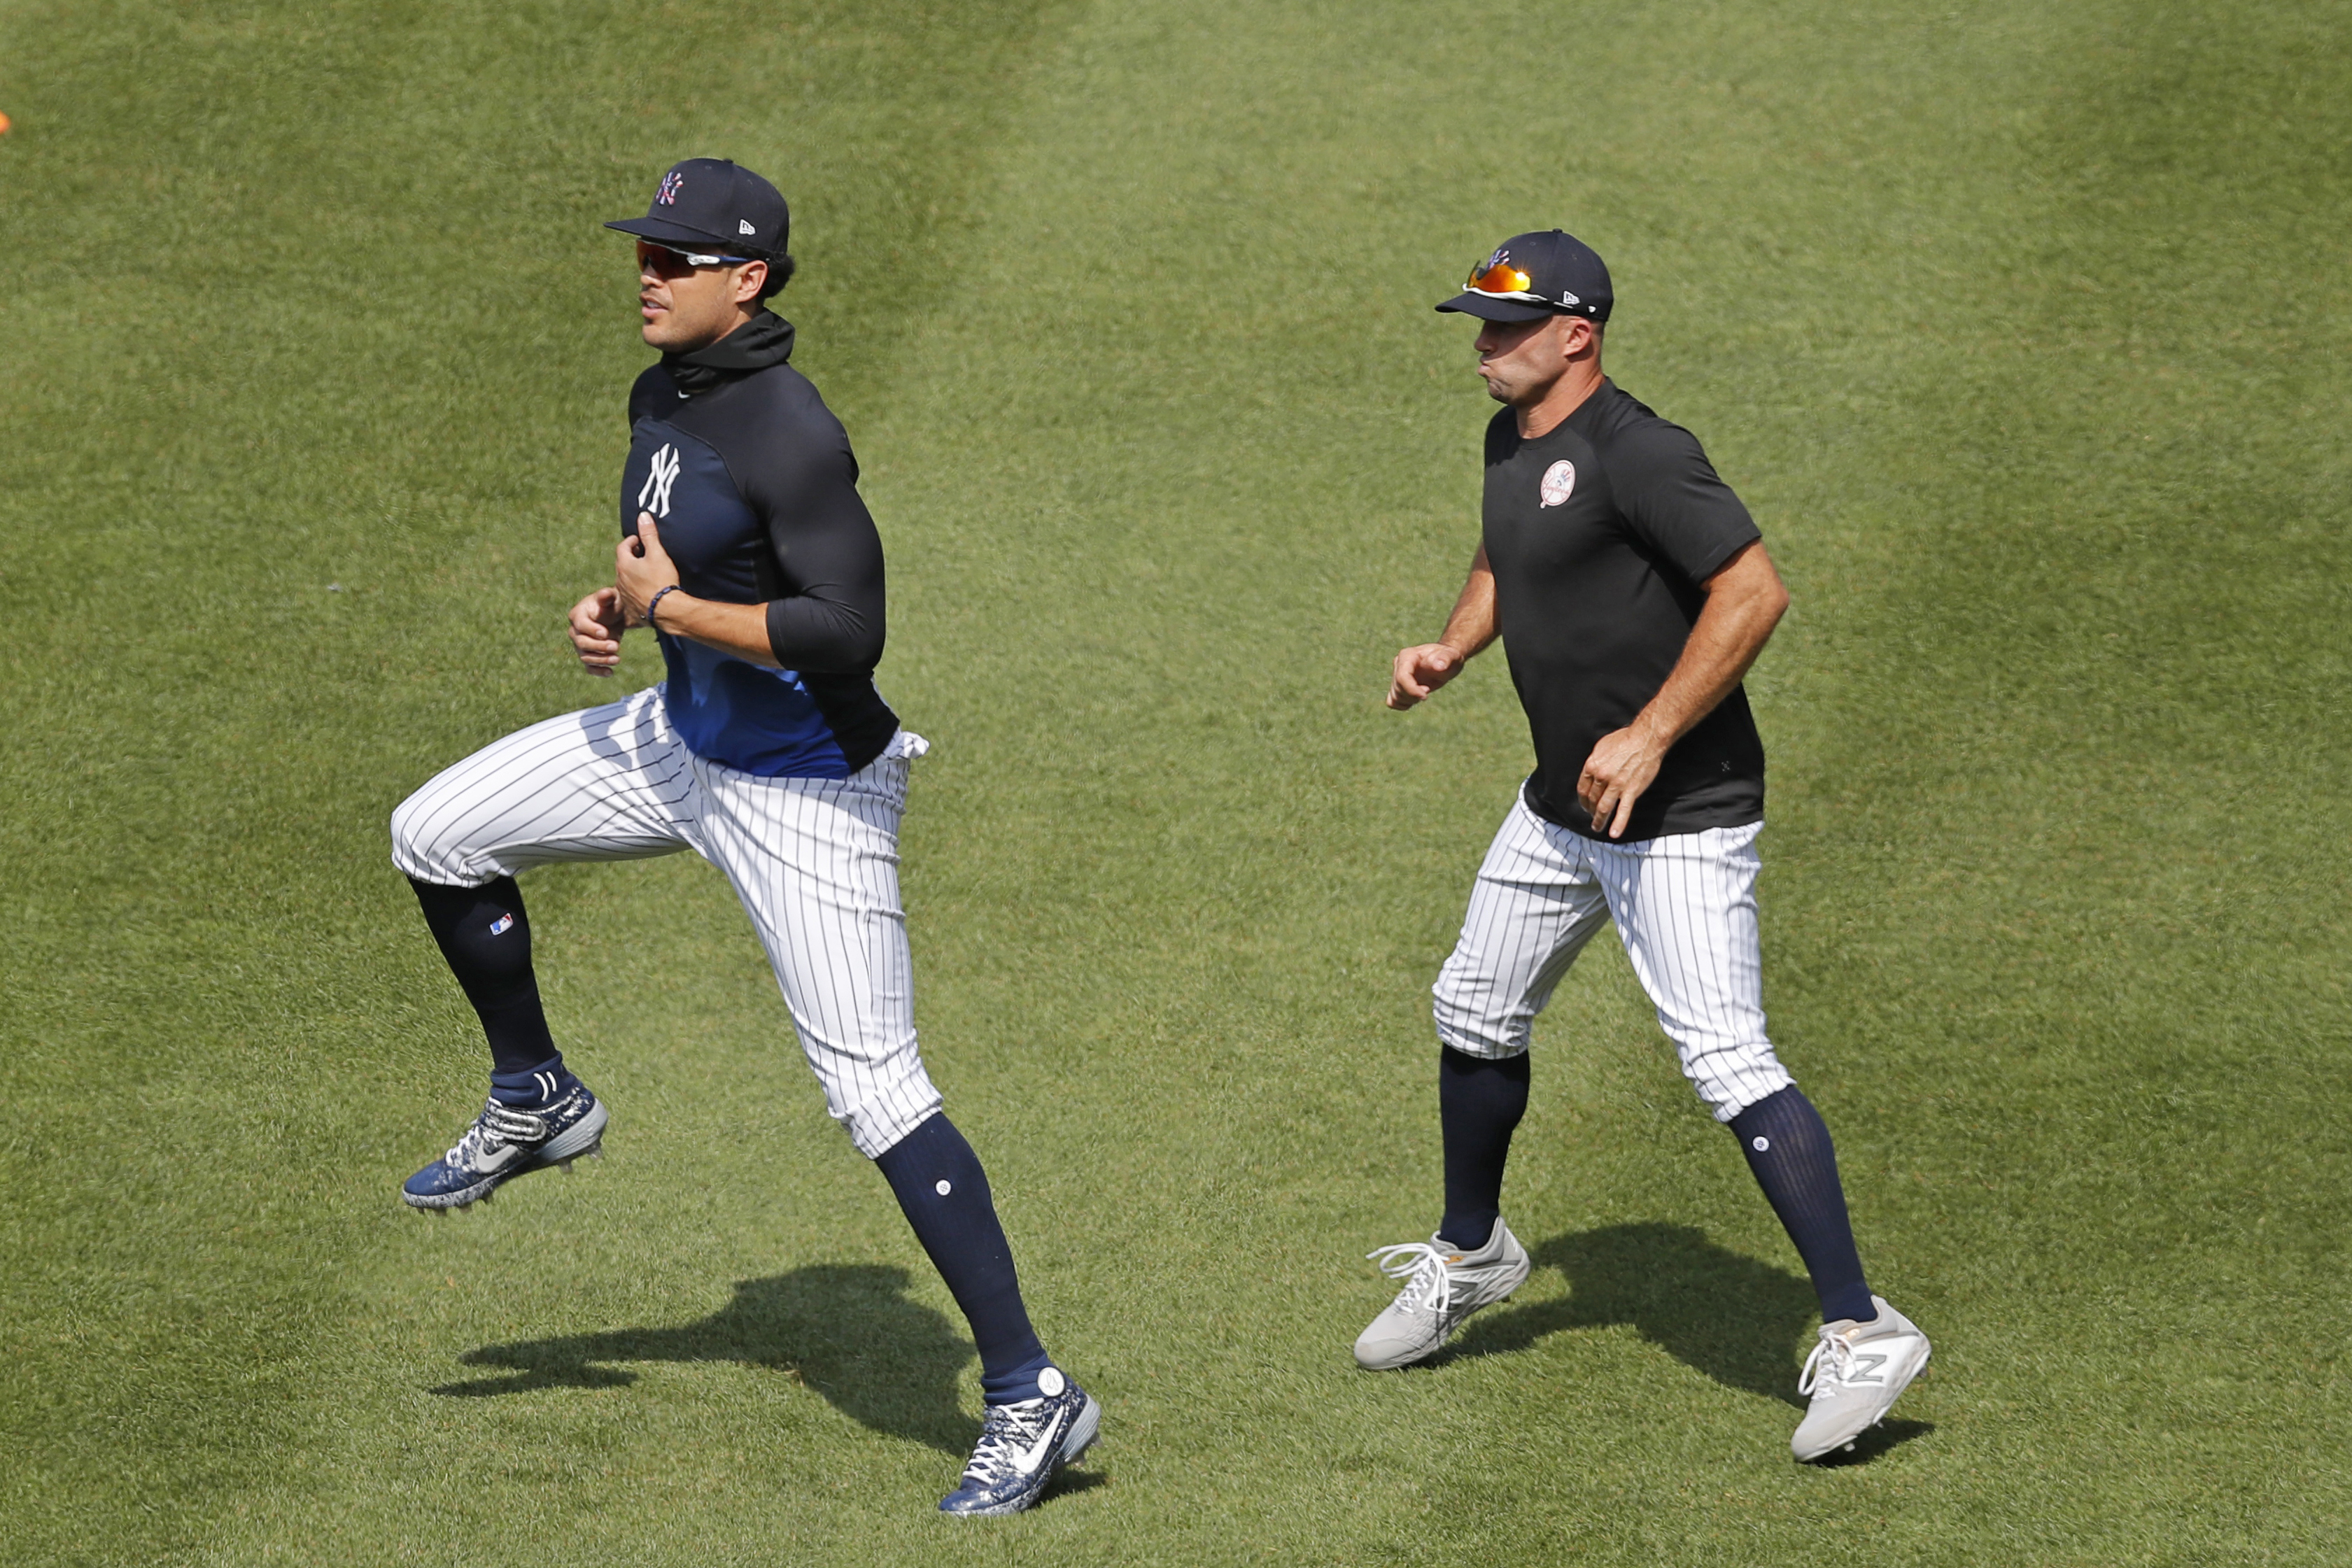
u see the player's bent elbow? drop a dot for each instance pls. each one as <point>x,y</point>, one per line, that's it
<point>844,643</point>
<point>863,651</point>
<point>857,658</point>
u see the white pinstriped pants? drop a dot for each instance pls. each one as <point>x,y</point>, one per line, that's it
<point>1685,904</point>
<point>815,861</point>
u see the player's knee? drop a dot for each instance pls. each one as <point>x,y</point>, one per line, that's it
<point>411,846</point>
<point>899,1097</point>
<point>1473,1031</point>
<point>1731,1086</point>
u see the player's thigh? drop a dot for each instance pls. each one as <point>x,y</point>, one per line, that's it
<point>815,863</point>
<point>1535,905</point>
<point>607,783</point>
<point>1685,905</point>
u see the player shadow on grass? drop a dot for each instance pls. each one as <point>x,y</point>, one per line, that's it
<point>1740,1322</point>
<point>847,1332</point>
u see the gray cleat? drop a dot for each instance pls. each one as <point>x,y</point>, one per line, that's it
<point>1442,1287</point>
<point>1855,1375</point>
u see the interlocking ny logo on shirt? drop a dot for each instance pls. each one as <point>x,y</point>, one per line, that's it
<point>654,497</point>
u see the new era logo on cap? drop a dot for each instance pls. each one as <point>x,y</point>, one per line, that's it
<point>743,226</point>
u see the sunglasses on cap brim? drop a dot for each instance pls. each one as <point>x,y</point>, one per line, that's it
<point>652,251</point>
<point>1501,280</point>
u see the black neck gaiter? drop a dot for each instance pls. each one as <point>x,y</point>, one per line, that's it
<point>765,339</point>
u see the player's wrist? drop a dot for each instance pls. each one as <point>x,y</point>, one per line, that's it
<point>1654,734</point>
<point>653,605</point>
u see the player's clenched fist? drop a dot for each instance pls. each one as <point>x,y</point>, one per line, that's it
<point>1422,670</point>
<point>642,569</point>
<point>596,626</point>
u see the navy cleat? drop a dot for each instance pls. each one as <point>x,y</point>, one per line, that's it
<point>506,1141</point>
<point>1022,1447</point>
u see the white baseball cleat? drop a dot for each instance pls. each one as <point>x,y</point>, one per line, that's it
<point>1442,1287</point>
<point>1855,1375</point>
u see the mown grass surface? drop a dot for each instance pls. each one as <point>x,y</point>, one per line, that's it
<point>2020,329</point>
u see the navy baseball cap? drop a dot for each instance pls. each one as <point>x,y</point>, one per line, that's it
<point>1531,275</point>
<point>710,203</point>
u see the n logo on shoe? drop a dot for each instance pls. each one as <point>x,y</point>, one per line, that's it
<point>1865,1369</point>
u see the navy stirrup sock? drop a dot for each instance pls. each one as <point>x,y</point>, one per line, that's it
<point>533,1087</point>
<point>940,1185</point>
<point>1787,1147</point>
<point>1479,1103</point>
<point>486,938</point>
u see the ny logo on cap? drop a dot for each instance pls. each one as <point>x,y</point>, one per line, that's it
<point>667,196</point>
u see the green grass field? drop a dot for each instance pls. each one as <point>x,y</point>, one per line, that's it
<point>2021,326</point>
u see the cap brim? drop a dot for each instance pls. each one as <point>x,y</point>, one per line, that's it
<point>1488,309</point>
<point>668,233</point>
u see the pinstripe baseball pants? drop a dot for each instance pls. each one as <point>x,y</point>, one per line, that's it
<point>1685,904</point>
<point>815,861</point>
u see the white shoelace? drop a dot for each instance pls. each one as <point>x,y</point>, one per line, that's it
<point>1006,1432</point>
<point>496,1124</point>
<point>1827,1367</point>
<point>1421,1266</point>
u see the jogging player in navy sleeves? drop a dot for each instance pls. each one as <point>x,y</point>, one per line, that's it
<point>1632,591</point>
<point>768,751</point>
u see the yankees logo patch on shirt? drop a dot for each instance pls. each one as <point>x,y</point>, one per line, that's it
<point>1558,484</point>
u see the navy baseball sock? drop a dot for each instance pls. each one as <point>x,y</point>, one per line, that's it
<point>532,1087</point>
<point>1787,1147</point>
<point>1479,1103</point>
<point>940,1185</point>
<point>486,936</point>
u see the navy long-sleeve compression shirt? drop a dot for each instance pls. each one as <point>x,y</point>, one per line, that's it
<point>755,487</point>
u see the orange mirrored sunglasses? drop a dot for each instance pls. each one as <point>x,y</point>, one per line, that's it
<point>1499,277</point>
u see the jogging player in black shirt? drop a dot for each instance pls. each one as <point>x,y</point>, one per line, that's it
<point>1632,591</point>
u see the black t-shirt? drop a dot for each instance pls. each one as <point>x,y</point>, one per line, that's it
<point>1599,533</point>
<point>756,490</point>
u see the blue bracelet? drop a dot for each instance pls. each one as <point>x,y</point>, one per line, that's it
<point>654,602</point>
